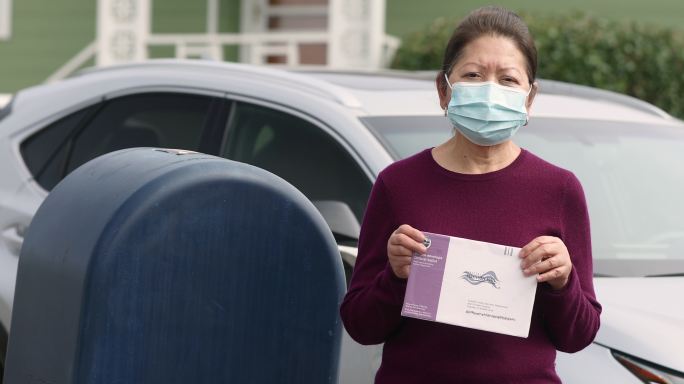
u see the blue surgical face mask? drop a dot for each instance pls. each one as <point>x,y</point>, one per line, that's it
<point>487,113</point>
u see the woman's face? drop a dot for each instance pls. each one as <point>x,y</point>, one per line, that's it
<point>490,58</point>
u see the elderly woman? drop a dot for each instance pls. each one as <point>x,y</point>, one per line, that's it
<point>480,185</point>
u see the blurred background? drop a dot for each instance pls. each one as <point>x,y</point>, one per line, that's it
<point>630,46</point>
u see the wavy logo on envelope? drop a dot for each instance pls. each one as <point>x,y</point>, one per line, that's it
<point>488,277</point>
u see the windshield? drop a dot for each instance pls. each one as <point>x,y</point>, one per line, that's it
<point>633,178</point>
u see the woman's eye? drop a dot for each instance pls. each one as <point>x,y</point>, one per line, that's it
<point>472,75</point>
<point>510,80</point>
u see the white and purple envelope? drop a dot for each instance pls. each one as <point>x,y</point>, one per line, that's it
<point>471,284</point>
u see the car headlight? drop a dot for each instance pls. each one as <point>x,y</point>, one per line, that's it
<point>649,373</point>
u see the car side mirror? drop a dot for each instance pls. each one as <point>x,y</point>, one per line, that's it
<point>340,218</point>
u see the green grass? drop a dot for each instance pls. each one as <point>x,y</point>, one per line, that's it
<point>405,16</point>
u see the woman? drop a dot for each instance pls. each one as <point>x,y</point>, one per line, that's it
<point>478,185</point>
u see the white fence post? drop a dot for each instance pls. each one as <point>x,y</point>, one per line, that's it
<point>5,19</point>
<point>252,20</point>
<point>357,33</point>
<point>123,27</point>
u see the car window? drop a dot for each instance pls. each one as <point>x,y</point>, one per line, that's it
<point>147,120</point>
<point>299,152</point>
<point>44,153</point>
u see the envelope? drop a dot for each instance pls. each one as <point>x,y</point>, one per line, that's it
<point>471,284</point>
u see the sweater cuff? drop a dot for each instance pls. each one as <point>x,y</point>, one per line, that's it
<point>395,285</point>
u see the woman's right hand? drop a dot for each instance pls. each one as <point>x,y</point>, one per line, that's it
<point>401,245</point>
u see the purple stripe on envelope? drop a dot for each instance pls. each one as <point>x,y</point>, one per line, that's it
<point>425,279</point>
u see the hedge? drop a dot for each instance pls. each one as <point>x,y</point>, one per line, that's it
<point>639,60</point>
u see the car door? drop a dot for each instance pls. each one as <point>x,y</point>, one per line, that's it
<point>309,156</point>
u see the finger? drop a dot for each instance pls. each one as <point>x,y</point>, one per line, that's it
<point>399,250</point>
<point>552,274</point>
<point>398,261</point>
<point>542,252</point>
<point>545,266</point>
<point>411,232</point>
<point>535,243</point>
<point>407,242</point>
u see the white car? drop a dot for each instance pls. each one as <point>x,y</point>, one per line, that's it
<point>330,134</point>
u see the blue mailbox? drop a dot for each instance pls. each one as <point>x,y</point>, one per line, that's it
<point>162,266</point>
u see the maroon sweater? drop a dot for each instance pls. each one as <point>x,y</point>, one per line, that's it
<point>511,206</point>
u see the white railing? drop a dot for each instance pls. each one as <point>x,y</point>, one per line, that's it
<point>389,48</point>
<point>262,45</point>
<point>210,46</point>
<point>74,63</point>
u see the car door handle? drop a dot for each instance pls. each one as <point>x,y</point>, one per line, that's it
<point>13,236</point>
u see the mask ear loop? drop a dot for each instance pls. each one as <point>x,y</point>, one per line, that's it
<point>447,81</point>
<point>527,115</point>
<point>446,78</point>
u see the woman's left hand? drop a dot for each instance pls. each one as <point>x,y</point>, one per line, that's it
<point>548,257</point>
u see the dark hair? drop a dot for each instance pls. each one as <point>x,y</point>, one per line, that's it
<point>496,21</point>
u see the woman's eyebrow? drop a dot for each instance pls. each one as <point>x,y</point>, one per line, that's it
<point>471,63</point>
<point>510,68</point>
<point>484,66</point>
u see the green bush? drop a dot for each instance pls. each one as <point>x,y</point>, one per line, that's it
<point>638,60</point>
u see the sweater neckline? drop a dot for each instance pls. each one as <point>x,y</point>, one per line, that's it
<point>475,176</point>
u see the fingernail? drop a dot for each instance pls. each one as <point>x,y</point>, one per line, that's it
<point>526,271</point>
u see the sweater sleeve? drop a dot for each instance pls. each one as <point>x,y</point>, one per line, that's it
<point>371,309</point>
<point>571,314</point>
